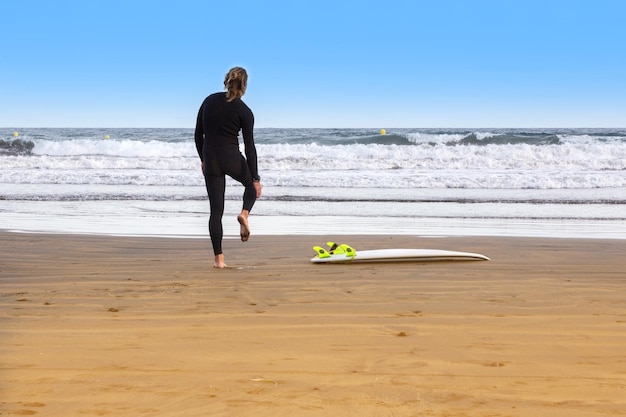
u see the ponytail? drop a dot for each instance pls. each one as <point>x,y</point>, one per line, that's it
<point>235,82</point>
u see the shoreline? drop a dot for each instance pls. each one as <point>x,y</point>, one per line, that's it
<point>194,225</point>
<point>101,325</point>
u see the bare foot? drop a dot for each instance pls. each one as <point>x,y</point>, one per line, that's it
<point>219,261</point>
<point>244,229</point>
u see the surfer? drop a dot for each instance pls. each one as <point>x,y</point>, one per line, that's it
<point>220,118</point>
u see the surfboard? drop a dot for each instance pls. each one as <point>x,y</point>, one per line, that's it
<point>345,253</point>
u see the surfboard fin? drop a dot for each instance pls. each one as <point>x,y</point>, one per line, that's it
<point>348,250</point>
<point>341,249</point>
<point>334,248</point>
<point>321,252</point>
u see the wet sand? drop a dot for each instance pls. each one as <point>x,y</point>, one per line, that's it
<point>127,326</point>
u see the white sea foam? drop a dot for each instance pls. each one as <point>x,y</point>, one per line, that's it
<point>519,166</point>
<point>107,147</point>
<point>434,138</point>
<point>576,154</point>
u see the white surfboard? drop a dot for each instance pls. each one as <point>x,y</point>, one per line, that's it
<point>400,255</point>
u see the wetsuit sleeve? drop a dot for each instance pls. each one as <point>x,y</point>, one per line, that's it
<point>199,134</point>
<point>247,128</point>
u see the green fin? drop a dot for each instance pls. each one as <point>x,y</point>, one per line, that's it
<point>321,252</point>
<point>343,249</point>
<point>348,250</point>
<point>334,248</point>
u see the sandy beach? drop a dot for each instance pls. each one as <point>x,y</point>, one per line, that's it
<point>129,326</point>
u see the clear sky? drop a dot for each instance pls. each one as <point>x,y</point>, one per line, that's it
<point>315,63</point>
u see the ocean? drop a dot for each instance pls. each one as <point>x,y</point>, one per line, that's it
<point>423,182</point>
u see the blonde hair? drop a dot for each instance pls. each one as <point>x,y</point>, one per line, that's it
<point>235,82</point>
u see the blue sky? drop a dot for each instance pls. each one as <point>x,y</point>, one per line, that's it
<point>318,63</point>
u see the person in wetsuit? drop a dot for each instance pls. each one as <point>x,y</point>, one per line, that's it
<point>220,118</point>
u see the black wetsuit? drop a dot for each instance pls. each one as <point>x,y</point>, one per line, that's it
<point>217,130</point>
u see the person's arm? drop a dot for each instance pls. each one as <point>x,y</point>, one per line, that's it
<point>247,128</point>
<point>199,134</point>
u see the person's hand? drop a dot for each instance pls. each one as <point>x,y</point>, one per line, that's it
<point>258,188</point>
